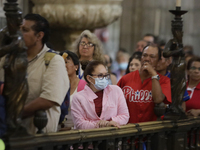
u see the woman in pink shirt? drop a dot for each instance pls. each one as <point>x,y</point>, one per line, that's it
<point>99,104</point>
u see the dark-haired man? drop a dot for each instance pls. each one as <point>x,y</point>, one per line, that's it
<point>145,88</point>
<point>150,38</point>
<point>162,68</point>
<point>163,64</point>
<point>140,45</point>
<point>48,85</point>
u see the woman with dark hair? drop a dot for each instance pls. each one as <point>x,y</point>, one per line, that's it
<point>76,84</point>
<point>108,63</point>
<point>193,87</point>
<point>99,104</point>
<point>134,62</point>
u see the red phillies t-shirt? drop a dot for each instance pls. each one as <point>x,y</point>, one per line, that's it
<point>98,102</point>
<point>139,96</point>
<point>193,102</point>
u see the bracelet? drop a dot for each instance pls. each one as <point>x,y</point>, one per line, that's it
<point>155,77</point>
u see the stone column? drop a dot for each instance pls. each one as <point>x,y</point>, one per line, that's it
<point>68,18</point>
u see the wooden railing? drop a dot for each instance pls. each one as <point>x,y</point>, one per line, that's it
<point>156,135</point>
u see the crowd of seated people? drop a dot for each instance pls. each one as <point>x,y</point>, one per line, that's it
<point>99,96</point>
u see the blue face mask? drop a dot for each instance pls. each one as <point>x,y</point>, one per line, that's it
<point>100,84</point>
<point>123,66</point>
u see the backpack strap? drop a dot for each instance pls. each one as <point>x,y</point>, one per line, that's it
<point>48,56</point>
<point>79,73</point>
<point>64,107</point>
<point>1,87</point>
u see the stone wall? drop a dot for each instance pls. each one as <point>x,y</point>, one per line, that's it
<point>152,16</point>
<point>23,4</point>
<point>2,16</point>
<point>140,17</point>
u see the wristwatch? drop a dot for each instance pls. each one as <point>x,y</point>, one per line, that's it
<point>155,77</point>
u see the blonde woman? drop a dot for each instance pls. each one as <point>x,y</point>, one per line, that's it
<point>88,47</point>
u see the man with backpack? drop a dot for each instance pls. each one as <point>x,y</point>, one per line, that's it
<point>2,112</point>
<point>47,76</point>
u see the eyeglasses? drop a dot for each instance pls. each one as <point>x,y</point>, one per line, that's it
<point>87,44</point>
<point>194,68</point>
<point>101,76</point>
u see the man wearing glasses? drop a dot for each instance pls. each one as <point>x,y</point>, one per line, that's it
<point>145,87</point>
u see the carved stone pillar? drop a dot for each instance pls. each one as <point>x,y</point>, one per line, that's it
<point>68,18</point>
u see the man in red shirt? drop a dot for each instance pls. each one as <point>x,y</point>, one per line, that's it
<point>145,88</point>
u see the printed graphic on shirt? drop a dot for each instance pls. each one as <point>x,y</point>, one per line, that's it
<point>138,96</point>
